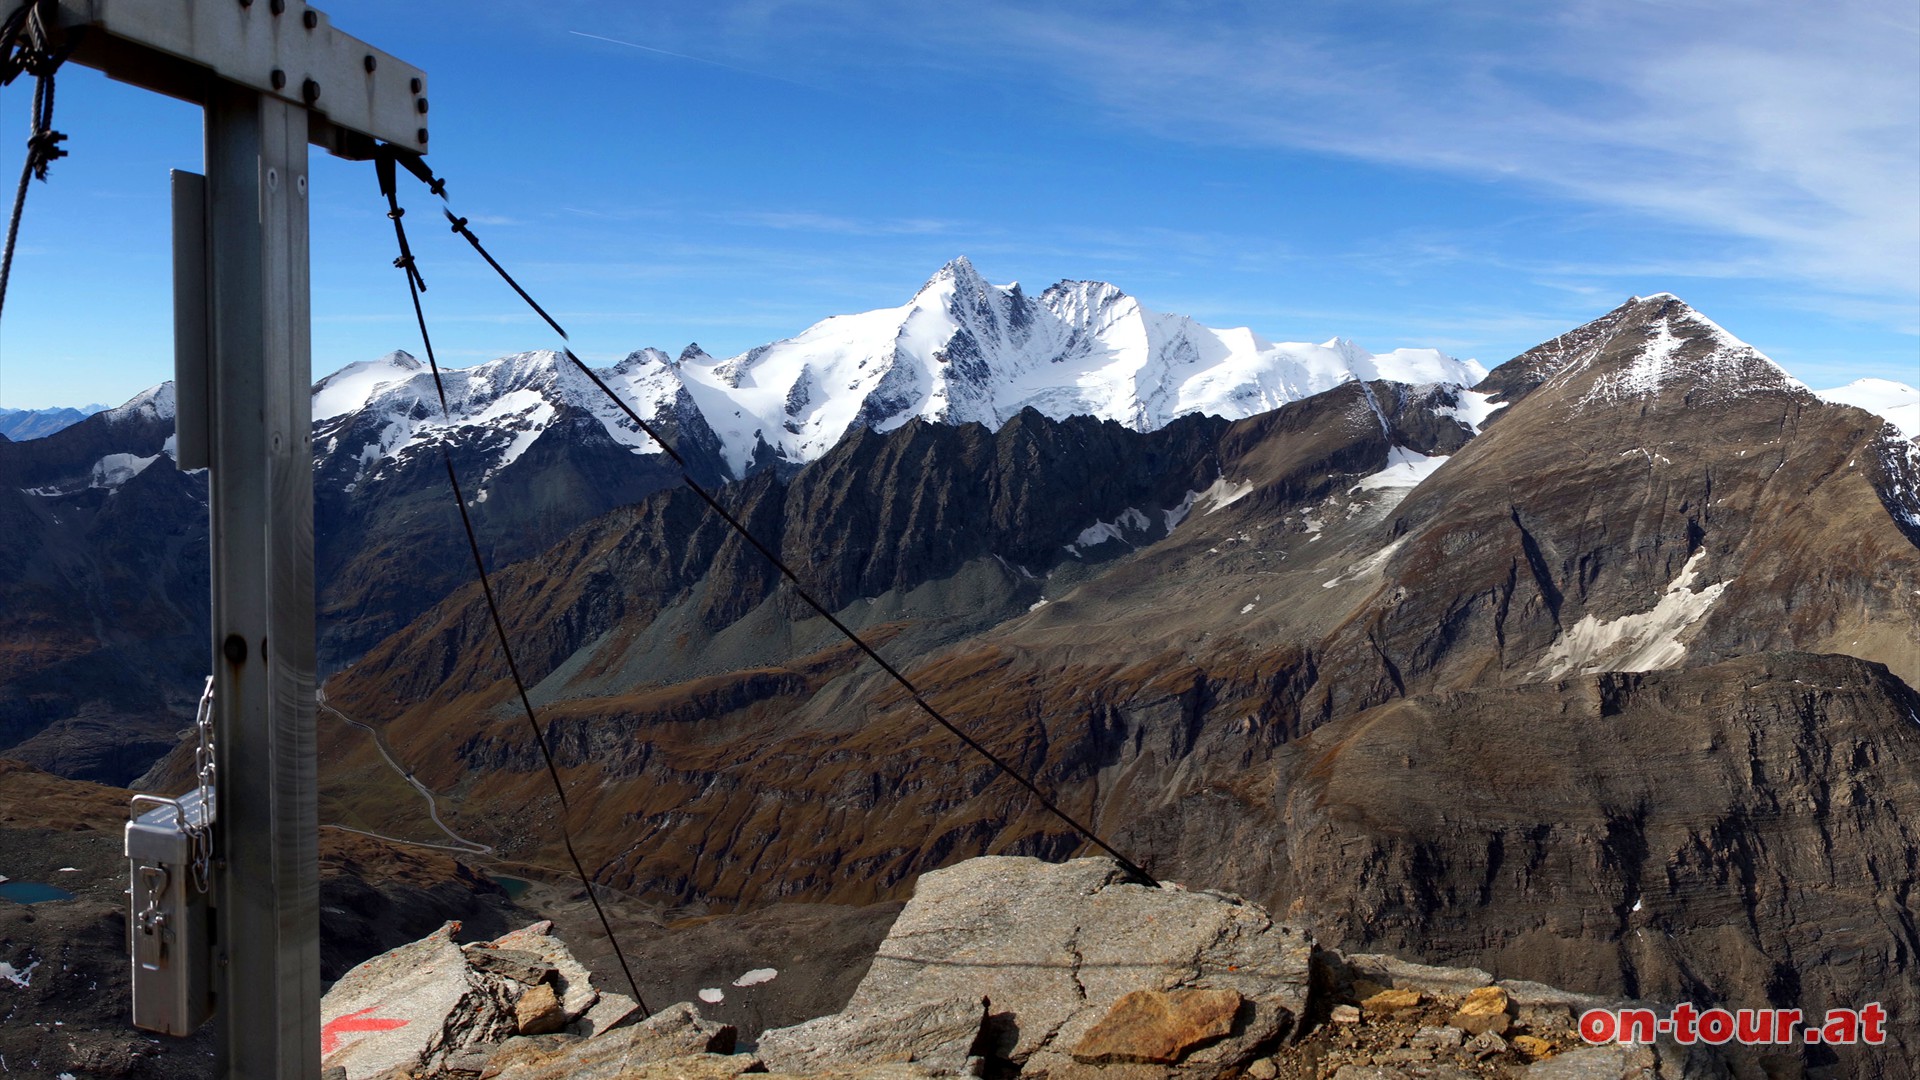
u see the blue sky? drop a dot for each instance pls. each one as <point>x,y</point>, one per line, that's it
<point>1466,175</point>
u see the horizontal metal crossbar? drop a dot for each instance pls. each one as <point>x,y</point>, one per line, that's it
<point>354,93</point>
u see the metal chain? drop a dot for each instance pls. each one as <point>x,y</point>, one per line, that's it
<point>201,833</point>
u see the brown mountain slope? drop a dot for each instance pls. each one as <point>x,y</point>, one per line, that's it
<point>1634,504</point>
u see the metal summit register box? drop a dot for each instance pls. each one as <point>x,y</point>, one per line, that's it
<point>171,922</point>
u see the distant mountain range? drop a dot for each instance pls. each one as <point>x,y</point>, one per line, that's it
<point>541,450</point>
<point>22,424</point>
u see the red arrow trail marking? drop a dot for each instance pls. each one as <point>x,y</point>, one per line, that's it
<point>354,1022</point>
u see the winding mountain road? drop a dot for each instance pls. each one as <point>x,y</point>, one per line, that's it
<point>433,810</point>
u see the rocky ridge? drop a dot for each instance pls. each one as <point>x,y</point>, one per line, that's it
<point>1003,967</point>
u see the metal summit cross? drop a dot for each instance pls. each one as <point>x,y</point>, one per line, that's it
<point>273,76</point>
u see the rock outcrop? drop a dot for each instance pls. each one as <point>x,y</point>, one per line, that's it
<point>439,1007</point>
<point>1055,951</point>
<point>1067,971</point>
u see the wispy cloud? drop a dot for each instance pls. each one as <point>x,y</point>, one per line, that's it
<point>1788,126</point>
<point>1783,136</point>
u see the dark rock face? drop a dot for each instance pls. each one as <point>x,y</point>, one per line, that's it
<point>1585,530</point>
<point>879,513</point>
<point>102,600</point>
<point>1737,834</point>
<point>376,896</point>
<point>390,544</point>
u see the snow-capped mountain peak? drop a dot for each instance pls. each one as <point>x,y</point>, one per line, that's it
<point>958,272</point>
<point>382,410</point>
<point>155,402</point>
<point>1676,346</point>
<point>960,350</point>
<point>349,388</point>
<point>1897,403</point>
<point>640,358</point>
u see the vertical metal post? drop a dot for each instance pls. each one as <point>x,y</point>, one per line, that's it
<point>261,493</point>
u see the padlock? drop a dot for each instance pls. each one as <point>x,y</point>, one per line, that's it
<point>170,918</point>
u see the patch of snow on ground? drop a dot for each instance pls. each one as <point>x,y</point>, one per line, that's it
<point>1102,531</point>
<point>1405,469</point>
<point>1368,565</point>
<point>756,977</point>
<point>524,412</point>
<point>1473,409</point>
<point>1648,641</point>
<point>1896,403</point>
<point>18,976</point>
<point>1176,515</point>
<point>1013,568</point>
<point>1650,367</point>
<point>1223,494</point>
<point>116,469</point>
<point>1648,454</point>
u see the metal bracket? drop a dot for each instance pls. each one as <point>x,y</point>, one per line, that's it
<point>192,334</point>
<point>353,92</point>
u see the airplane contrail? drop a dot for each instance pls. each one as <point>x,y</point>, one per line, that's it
<point>695,59</point>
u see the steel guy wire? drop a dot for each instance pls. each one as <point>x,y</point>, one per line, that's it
<point>25,49</point>
<point>388,187</point>
<point>438,186</point>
